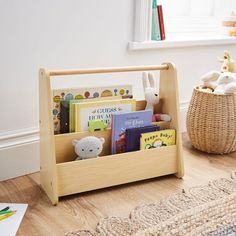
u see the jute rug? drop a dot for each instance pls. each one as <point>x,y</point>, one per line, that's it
<point>204,210</point>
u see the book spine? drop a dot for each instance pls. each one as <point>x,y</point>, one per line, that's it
<point>161,22</point>
<point>112,134</point>
<point>156,35</point>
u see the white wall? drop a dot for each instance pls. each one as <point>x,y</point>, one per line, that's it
<point>61,34</point>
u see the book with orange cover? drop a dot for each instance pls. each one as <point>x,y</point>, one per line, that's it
<point>161,22</point>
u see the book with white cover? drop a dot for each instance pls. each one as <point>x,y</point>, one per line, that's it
<point>10,225</point>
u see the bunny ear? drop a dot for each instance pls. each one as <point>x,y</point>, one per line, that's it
<point>151,79</point>
<point>145,80</point>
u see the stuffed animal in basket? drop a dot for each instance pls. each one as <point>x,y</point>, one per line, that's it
<point>152,97</point>
<point>228,64</point>
<point>88,147</point>
<point>226,83</point>
<point>210,79</point>
<point>221,83</point>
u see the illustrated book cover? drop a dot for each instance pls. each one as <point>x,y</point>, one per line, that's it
<point>11,217</point>
<point>132,136</point>
<point>102,110</point>
<point>157,139</point>
<point>122,121</point>
<point>84,93</point>
<point>72,108</point>
<point>64,117</point>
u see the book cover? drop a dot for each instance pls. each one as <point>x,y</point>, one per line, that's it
<point>10,225</point>
<point>132,136</point>
<point>161,22</point>
<point>64,117</point>
<point>84,93</point>
<point>72,108</point>
<point>102,110</point>
<point>122,121</point>
<point>156,35</point>
<point>157,139</point>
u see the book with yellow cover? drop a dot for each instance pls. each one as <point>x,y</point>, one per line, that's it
<point>72,108</point>
<point>87,111</point>
<point>68,94</point>
<point>157,139</point>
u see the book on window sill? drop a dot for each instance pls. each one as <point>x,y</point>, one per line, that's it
<point>102,110</point>
<point>161,22</point>
<point>84,93</point>
<point>155,34</point>
<point>157,139</point>
<point>122,121</point>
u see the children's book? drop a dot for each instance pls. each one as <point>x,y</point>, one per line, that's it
<point>161,22</point>
<point>156,35</point>
<point>132,136</point>
<point>122,121</point>
<point>64,117</point>
<point>157,139</point>
<point>72,108</point>
<point>11,215</point>
<point>102,110</point>
<point>84,93</point>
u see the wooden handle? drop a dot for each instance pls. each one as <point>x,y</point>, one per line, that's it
<point>108,70</point>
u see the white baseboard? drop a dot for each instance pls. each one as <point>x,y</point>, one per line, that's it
<point>19,149</point>
<point>19,153</point>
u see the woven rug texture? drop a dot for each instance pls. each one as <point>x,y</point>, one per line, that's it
<point>203,210</point>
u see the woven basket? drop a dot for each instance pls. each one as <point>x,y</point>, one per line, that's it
<point>211,122</point>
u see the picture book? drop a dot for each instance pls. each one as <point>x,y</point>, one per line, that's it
<point>84,93</point>
<point>157,139</point>
<point>132,136</point>
<point>122,121</point>
<point>72,108</point>
<point>11,215</point>
<point>155,31</point>
<point>161,22</point>
<point>87,111</point>
<point>64,117</point>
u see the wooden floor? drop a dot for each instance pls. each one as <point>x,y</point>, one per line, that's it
<point>82,211</point>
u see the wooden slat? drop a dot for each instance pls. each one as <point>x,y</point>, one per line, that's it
<point>85,175</point>
<point>48,172</point>
<point>65,150</point>
<point>170,95</point>
<point>108,70</point>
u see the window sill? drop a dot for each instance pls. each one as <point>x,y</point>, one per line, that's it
<point>178,42</point>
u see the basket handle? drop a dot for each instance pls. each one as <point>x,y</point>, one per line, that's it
<point>108,70</point>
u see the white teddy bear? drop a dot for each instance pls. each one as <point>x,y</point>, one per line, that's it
<point>88,147</point>
<point>222,83</point>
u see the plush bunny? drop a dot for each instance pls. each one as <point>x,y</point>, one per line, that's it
<point>210,79</point>
<point>88,147</point>
<point>226,83</point>
<point>152,97</point>
<point>228,64</point>
<point>221,83</point>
